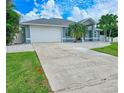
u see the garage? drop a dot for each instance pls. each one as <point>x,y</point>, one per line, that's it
<point>45,34</point>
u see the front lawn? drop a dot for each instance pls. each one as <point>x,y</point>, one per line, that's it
<point>111,49</point>
<point>25,75</point>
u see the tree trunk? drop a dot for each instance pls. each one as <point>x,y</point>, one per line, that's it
<point>108,38</point>
<point>110,34</point>
<point>105,36</point>
<point>111,39</point>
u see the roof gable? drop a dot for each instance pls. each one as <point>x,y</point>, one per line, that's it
<point>88,21</point>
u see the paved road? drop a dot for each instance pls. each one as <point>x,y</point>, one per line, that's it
<point>74,69</point>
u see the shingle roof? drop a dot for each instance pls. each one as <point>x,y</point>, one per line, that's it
<point>52,21</point>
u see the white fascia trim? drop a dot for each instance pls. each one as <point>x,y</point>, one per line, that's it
<point>43,24</point>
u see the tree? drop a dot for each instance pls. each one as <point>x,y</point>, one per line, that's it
<point>12,23</point>
<point>113,28</point>
<point>77,30</point>
<point>108,23</point>
<point>102,25</point>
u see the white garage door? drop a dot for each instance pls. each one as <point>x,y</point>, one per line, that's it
<point>45,34</point>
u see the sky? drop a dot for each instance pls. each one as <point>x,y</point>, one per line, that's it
<point>74,10</point>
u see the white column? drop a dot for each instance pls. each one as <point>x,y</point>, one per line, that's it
<point>93,28</point>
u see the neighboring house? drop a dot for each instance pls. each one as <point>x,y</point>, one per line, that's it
<point>55,30</point>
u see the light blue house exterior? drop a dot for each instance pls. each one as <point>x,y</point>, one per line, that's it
<point>56,30</point>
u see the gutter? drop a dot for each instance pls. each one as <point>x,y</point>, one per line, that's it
<point>42,24</point>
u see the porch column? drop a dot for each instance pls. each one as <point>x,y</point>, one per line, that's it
<point>93,31</point>
<point>99,35</point>
<point>82,39</point>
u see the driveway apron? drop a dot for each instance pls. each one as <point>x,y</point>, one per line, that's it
<point>74,69</point>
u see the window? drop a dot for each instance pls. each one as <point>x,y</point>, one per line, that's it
<point>66,33</point>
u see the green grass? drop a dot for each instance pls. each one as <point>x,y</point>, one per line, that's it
<point>23,74</point>
<point>111,49</point>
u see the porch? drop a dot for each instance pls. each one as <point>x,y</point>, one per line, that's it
<point>90,35</point>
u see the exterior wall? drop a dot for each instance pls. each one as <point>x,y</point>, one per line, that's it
<point>45,34</point>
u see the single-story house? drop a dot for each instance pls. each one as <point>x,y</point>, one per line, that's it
<point>55,30</point>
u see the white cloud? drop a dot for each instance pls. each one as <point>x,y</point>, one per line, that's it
<point>48,10</point>
<point>95,12</point>
<point>78,14</point>
<point>49,4</point>
<point>36,4</point>
<point>30,16</point>
<point>103,8</point>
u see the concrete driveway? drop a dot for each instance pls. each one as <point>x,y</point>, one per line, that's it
<point>71,68</point>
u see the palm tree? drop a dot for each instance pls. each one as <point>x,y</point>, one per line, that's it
<point>108,23</point>
<point>77,31</point>
<point>112,25</point>
<point>102,25</point>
